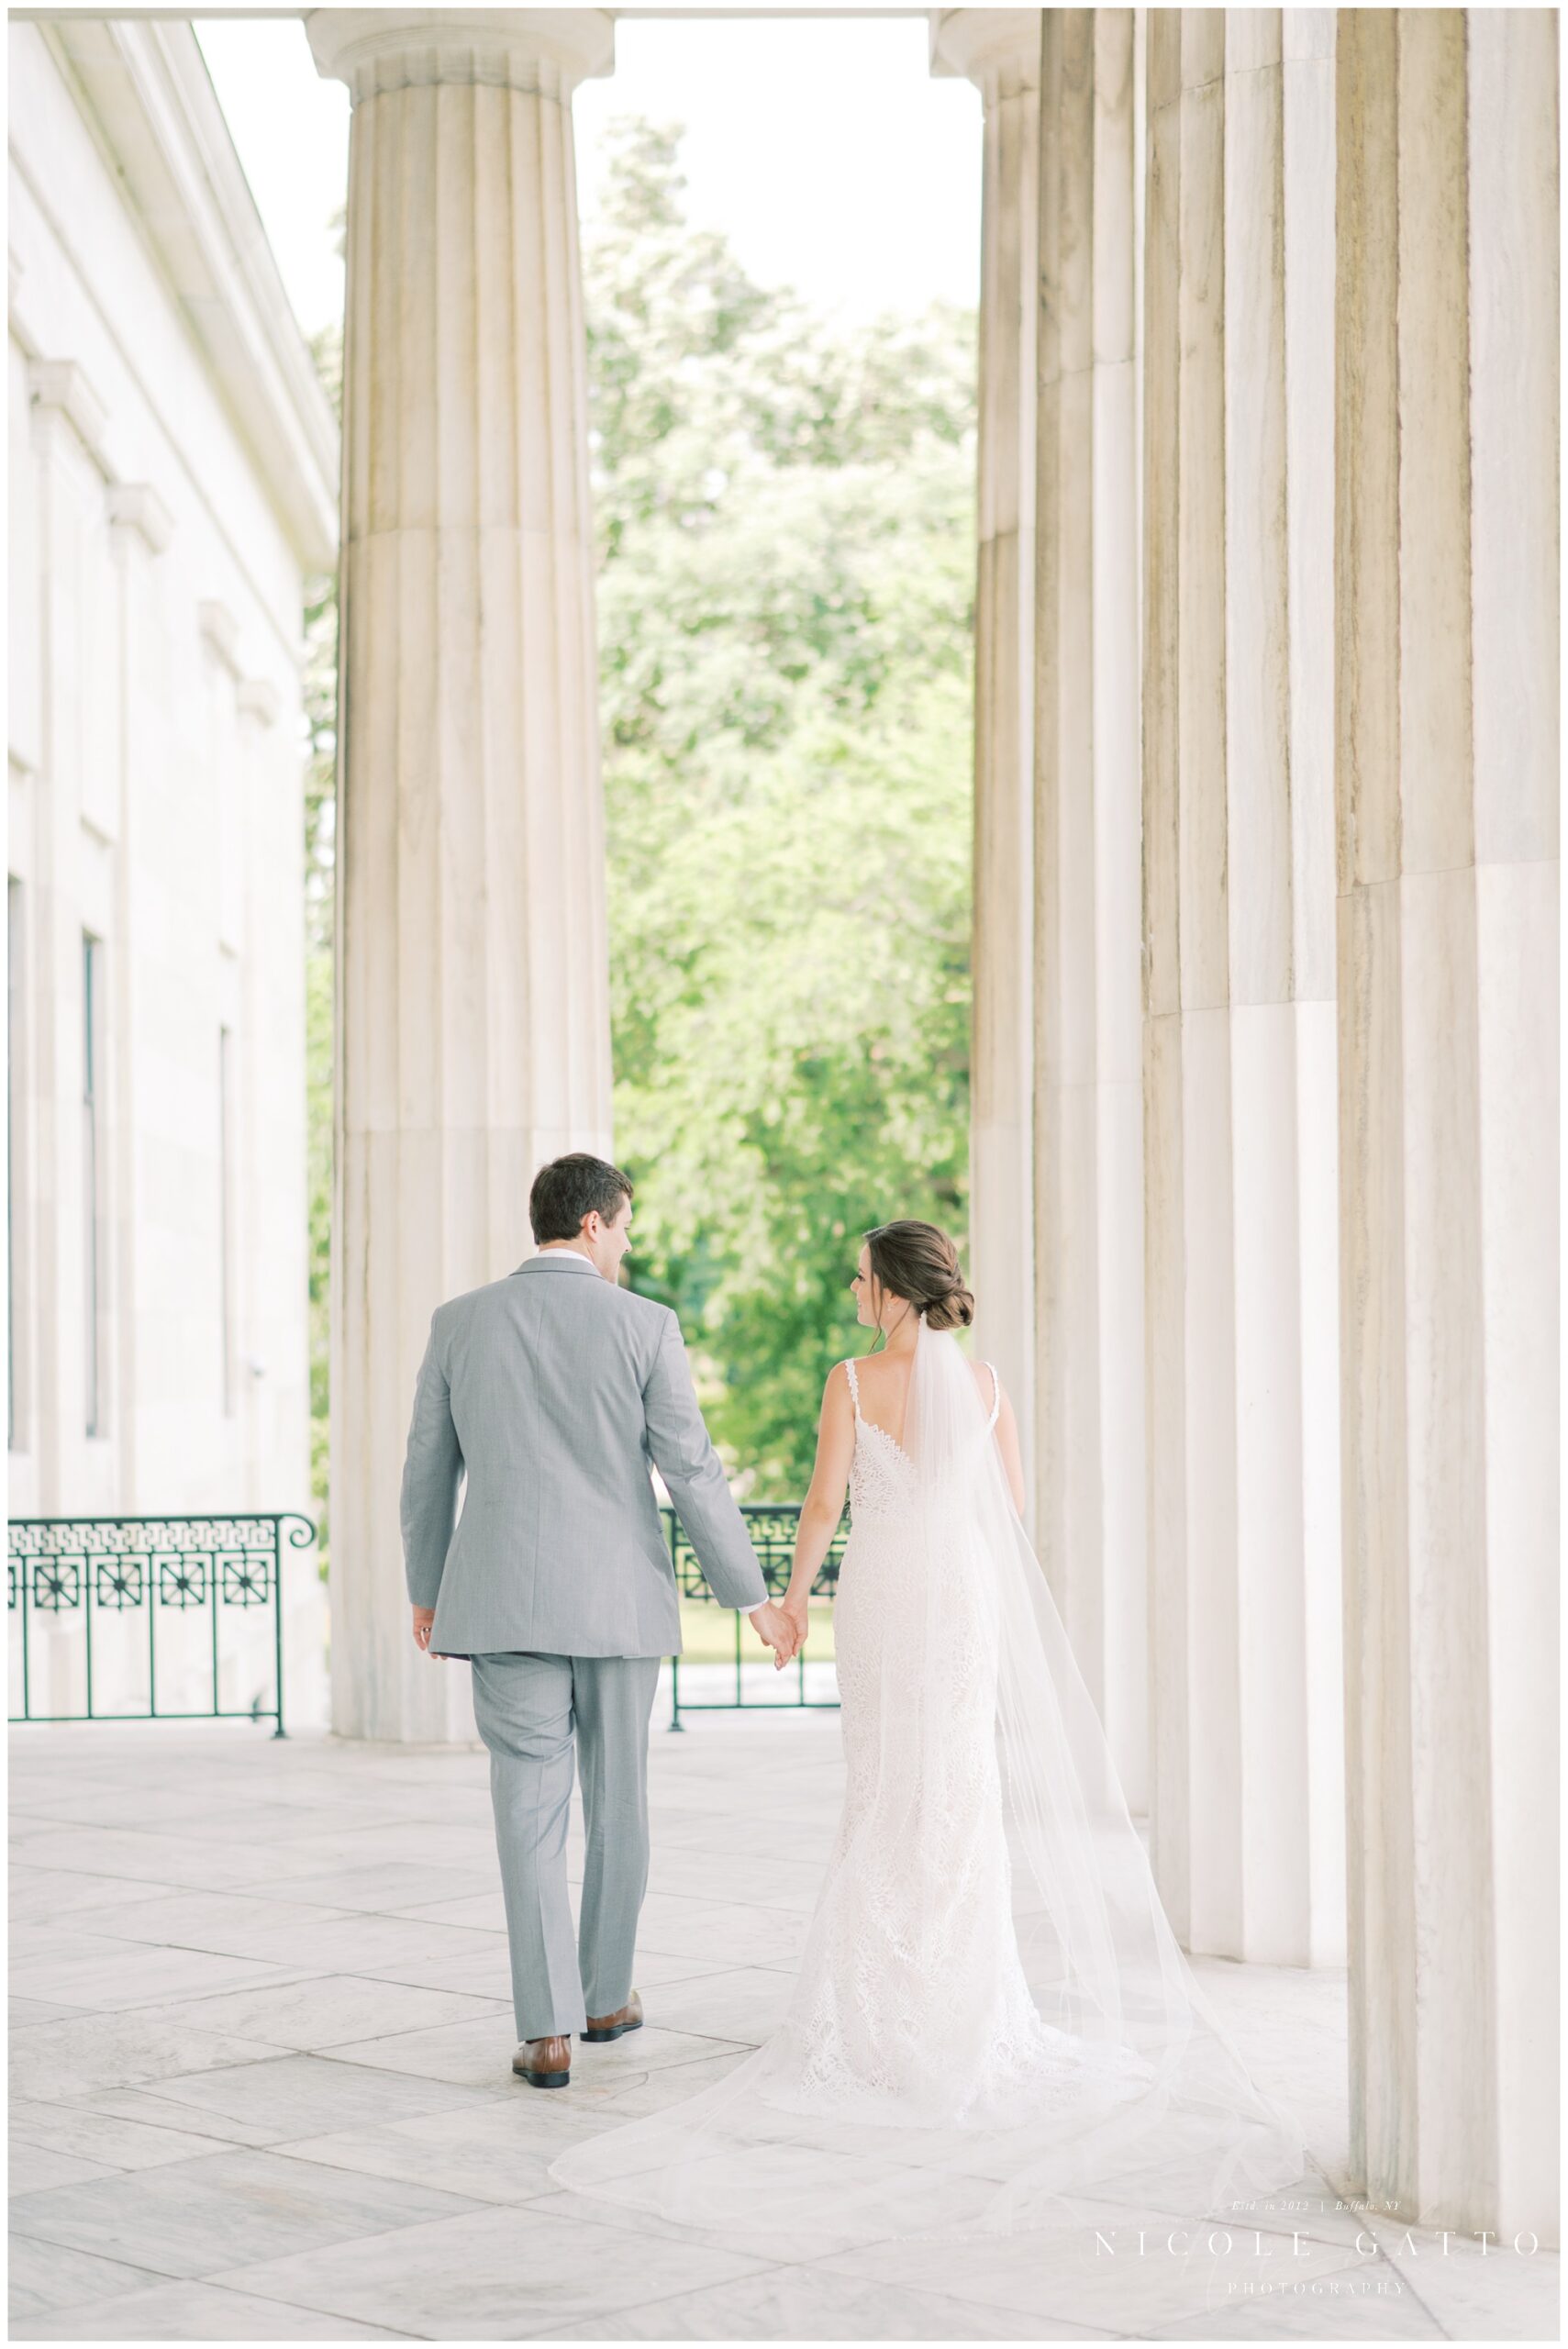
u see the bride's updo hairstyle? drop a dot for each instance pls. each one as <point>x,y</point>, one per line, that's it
<point>917,1262</point>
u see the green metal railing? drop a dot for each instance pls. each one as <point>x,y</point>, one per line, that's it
<point>118,1578</point>
<point>772,1531</point>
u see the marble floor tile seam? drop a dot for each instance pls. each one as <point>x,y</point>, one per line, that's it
<point>51,2011</point>
<point>612,2300</point>
<point>47,2244</point>
<point>337,1921</point>
<point>304,1981</point>
<point>99,2031</point>
<point>212,2180</point>
<point>1256,2309</point>
<point>1502,2287</point>
<point>257,2052</point>
<point>702,1901</point>
<point>41,2114</point>
<point>92,2102</point>
<point>33,2329</point>
<point>776,2267</point>
<point>1381,2264</point>
<point>156,2276</point>
<point>1274,2234</point>
<point>146,2115</point>
<point>701,1969</point>
<point>1279,2227</point>
<point>264,1977</point>
<point>292,1890</point>
<point>259,1886</point>
<point>20,2143</point>
<point>1063,2312</point>
<point>611,2065</point>
<point>132,1951</point>
<point>630,2217</point>
<point>66,2011</point>
<point>35,1880</point>
<point>1408,2285</point>
<point>151,1887</point>
<point>204,1949</point>
<point>273,1806</point>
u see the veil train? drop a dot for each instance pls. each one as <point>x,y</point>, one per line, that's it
<point>1130,2093</point>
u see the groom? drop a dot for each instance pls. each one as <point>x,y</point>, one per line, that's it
<point>545,1395</point>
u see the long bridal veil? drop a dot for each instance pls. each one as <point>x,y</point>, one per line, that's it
<point>917,2122</point>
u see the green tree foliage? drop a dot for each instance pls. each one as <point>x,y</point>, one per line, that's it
<point>786,512</point>
<point>786,566</point>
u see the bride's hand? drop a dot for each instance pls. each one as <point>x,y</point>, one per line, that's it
<point>795,1608</point>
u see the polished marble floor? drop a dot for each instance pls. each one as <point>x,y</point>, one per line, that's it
<point>260,2085</point>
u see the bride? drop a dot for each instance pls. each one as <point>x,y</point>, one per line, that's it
<point>993,2029</point>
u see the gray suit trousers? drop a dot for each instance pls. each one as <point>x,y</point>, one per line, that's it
<point>528,1708</point>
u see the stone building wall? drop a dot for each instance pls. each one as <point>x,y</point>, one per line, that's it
<point>171,485</point>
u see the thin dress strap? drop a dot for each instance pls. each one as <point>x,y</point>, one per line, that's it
<point>995,1394</point>
<point>854,1384</point>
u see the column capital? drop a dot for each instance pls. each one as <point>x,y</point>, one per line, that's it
<point>997,49</point>
<point>220,629</point>
<point>63,385</point>
<point>543,51</point>
<point>135,506</point>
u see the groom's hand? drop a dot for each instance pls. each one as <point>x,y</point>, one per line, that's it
<point>773,1626</point>
<point>423,1618</point>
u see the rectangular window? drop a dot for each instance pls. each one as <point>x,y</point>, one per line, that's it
<point>226,1204</point>
<point>15,1156</point>
<point>93,1176</point>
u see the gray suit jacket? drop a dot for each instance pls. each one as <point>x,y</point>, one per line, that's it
<point>549,1392</point>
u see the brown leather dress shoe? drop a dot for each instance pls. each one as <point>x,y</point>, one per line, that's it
<point>544,2063</point>
<point>627,2018</point>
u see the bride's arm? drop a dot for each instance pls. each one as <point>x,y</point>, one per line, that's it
<point>824,1503</point>
<point>1007,1443</point>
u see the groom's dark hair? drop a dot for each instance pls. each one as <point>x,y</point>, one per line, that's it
<point>571,1188</point>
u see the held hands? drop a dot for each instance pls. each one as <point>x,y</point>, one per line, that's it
<point>776,1627</point>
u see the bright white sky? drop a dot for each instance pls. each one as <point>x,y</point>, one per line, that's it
<point>822,147</point>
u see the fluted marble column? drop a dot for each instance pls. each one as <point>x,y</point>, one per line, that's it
<point>1088,1144</point>
<point>1247,1798</point>
<point>998,51</point>
<point>473,1030</point>
<point>1446,696</point>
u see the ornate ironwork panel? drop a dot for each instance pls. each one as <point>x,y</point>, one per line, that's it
<point>120,1582</point>
<point>773,1527</point>
<point>67,1572</point>
<point>181,1582</point>
<point>57,1584</point>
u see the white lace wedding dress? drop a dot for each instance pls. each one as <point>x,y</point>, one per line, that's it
<point>911,1997</point>
<point>992,2020</point>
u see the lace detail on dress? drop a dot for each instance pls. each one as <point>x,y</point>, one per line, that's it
<point>882,1474</point>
